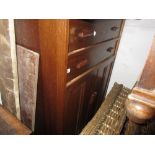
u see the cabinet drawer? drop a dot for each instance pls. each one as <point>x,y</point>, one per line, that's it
<point>84,33</point>
<point>81,61</point>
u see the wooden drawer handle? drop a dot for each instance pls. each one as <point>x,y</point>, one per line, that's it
<point>83,35</point>
<point>110,49</point>
<point>82,64</point>
<point>92,98</point>
<point>114,28</point>
<point>91,104</point>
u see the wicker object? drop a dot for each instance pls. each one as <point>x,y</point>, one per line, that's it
<point>111,116</point>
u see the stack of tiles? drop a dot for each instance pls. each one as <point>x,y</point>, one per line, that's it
<point>8,68</point>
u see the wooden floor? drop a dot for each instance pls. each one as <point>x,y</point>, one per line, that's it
<point>10,125</point>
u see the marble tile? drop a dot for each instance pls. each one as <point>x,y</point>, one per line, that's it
<point>28,62</point>
<point>8,68</point>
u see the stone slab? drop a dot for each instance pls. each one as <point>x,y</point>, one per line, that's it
<point>8,68</point>
<point>28,62</point>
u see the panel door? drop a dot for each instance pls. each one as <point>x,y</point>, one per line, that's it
<point>77,96</point>
<point>97,95</point>
<point>84,97</point>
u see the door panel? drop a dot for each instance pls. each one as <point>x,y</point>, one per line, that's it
<point>104,75</point>
<point>74,102</point>
<point>84,97</point>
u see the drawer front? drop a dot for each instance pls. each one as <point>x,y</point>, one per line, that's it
<point>83,34</point>
<point>81,61</point>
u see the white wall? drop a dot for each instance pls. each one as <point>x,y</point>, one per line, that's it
<point>135,43</point>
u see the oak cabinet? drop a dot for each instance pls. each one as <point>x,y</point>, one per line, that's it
<point>76,60</point>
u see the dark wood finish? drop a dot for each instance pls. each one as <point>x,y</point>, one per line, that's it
<point>87,72</point>
<point>53,49</point>
<point>73,106</point>
<point>53,59</point>
<point>72,83</point>
<point>80,61</point>
<point>29,28</point>
<point>83,34</point>
<point>85,95</point>
<point>10,125</point>
<point>141,102</point>
<point>27,33</point>
<point>100,83</point>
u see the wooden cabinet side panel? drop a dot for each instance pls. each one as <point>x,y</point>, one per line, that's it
<point>27,34</point>
<point>53,35</point>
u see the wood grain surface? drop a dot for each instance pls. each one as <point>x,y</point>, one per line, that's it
<point>141,102</point>
<point>10,125</point>
<point>56,102</point>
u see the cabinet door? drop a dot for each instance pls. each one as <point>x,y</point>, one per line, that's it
<point>84,96</point>
<point>77,97</point>
<point>74,98</point>
<point>104,74</point>
<point>99,84</point>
